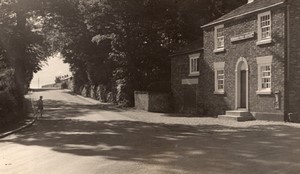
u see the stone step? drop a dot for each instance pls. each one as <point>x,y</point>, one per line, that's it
<point>236,118</point>
<point>238,113</point>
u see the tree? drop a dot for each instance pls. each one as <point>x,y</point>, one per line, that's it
<point>23,43</point>
<point>120,44</point>
<point>57,80</point>
<point>143,33</point>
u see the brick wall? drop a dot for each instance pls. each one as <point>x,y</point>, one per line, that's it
<point>218,104</point>
<point>184,97</point>
<point>152,101</point>
<point>294,61</point>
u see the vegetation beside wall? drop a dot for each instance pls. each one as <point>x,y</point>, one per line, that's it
<point>11,100</point>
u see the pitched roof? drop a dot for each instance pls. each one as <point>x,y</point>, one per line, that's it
<point>193,47</point>
<point>255,6</point>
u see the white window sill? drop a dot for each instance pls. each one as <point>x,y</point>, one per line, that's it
<point>219,92</point>
<point>218,50</point>
<point>194,74</point>
<point>264,92</point>
<point>262,42</point>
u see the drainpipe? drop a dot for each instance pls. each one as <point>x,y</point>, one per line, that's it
<point>286,104</point>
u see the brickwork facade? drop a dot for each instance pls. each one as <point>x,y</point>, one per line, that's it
<point>247,49</point>
<point>282,101</point>
<point>184,96</point>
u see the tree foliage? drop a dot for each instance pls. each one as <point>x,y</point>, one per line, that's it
<point>123,45</point>
<point>126,43</point>
<point>22,43</point>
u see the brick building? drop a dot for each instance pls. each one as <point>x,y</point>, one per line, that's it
<point>185,79</point>
<point>249,67</point>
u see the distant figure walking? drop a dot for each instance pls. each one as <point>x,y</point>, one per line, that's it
<point>40,106</point>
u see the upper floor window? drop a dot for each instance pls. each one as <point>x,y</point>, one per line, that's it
<point>264,28</point>
<point>194,64</point>
<point>219,38</point>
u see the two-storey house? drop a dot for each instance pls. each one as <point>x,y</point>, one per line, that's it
<point>250,68</point>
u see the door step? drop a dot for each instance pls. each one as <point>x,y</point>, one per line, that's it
<point>237,115</point>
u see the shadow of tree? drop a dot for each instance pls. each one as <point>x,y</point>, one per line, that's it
<point>42,89</point>
<point>64,109</point>
<point>212,148</point>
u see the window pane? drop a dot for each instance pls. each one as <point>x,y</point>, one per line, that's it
<point>220,41</point>
<point>266,77</point>
<point>220,37</point>
<point>220,79</point>
<point>194,66</point>
<point>265,22</point>
<point>220,72</point>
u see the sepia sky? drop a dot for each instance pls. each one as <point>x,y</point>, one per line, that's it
<point>47,75</point>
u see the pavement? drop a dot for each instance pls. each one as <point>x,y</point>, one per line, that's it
<point>80,135</point>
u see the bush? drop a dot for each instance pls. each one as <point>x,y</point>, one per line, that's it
<point>57,80</point>
<point>86,91</point>
<point>64,85</point>
<point>8,102</point>
<point>10,99</point>
<point>7,79</point>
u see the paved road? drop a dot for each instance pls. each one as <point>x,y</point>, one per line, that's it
<point>77,136</point>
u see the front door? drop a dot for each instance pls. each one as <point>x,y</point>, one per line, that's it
<point>243,89</point>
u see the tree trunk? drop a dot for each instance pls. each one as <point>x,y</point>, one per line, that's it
<point>20,52</point>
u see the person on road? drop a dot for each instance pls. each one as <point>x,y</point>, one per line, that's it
<point>40,106</point>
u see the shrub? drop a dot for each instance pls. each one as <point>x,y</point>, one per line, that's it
<point>8,102</point>
<point>7,79</point>
<point>64,85</point>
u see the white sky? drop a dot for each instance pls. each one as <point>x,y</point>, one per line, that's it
<point>47,75</point>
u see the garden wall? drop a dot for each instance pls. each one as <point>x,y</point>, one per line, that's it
<point>152,101</point>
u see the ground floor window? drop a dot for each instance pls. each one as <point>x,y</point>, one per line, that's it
<point>219,77</point>
<point>264,74</point>
<point>266,77</point>
<point>220,80</point>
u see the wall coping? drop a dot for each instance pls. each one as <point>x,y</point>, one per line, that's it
<point>150,92</point>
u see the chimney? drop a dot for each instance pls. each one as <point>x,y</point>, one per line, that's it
<point>250,1</point>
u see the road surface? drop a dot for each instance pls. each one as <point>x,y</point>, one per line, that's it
<point>77,136</point>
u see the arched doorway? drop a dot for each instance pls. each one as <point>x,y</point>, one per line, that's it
<point>241,84</point>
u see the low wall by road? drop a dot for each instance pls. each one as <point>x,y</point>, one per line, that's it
<point>152,101</point>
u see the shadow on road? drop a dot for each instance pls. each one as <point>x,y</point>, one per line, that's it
<point>63,109</point>
<point>212,148</point>
<point>42,89</point>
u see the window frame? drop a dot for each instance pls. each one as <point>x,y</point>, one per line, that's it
<point>220,73</point>
<point>260,39</point>
<point>216,39</point>
<point>194,57</point>
<point>219,66</point>
<point>268,83</point>
<point>261,63</point>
